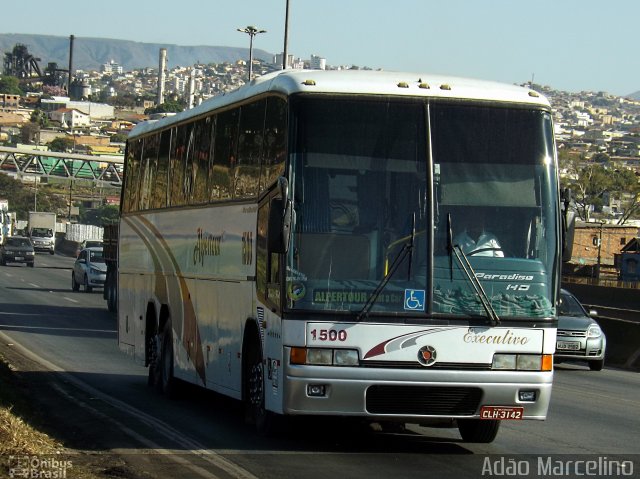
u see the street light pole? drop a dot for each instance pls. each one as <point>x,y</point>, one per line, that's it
<point>252,32</point>
<point>286,38</point>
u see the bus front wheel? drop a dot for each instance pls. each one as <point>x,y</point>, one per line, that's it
<point>253,378</point>
<point>478,430</point>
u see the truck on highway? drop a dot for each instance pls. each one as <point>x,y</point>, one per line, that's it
<point>42,228</point>
<point>5,220</point>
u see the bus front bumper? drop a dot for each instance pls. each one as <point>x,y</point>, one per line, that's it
<point>413,395</point>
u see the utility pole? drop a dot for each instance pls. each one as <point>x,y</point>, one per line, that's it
<point>70,203</point>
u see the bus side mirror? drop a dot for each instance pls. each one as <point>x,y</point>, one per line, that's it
<point>279,225</point>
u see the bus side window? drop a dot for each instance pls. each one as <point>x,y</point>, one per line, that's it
<point>221,181</point>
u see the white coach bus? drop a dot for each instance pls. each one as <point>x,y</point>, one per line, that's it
<point>377,245</point>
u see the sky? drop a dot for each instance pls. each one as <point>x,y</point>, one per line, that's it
<point>570,45</point>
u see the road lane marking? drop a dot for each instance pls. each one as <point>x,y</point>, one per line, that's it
<point>156,448</point>
<point>48,328</point>
<point>34,285</point>
<point>186,443</point>
<point>70,299</point>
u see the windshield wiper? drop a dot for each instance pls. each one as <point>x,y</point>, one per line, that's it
<point>407,250</point>
<point>456,250</point>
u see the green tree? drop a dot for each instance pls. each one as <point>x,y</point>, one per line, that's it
<point>10,85</point>
<point>40,117</point>
<point>590,181</point>
<point>22,198</point>
<point>61,144</point>
<point>106,214</point>
<point>601,158</point>
<point>167,107</point>
<point>119,138</point>
<point>30,132</point>
<point>626,186</point>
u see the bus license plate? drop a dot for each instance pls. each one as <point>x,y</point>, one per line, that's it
<point>501,412</point>
<point>568,345</point>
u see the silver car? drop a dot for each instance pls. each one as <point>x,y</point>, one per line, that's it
<point>579,335</point>
<point>89,270</point>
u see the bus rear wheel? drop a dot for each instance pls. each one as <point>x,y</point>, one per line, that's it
<point>166,380</point>
<point>111,292</point>
<point>478,430</point>
<point>153,379</point>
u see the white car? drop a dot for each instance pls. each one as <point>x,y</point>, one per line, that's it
<point>89,243</point>
<point>89,270</point>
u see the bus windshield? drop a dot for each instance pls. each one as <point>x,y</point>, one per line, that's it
<point>384,189</point>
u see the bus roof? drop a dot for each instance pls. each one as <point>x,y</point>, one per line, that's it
<point>361,82</point>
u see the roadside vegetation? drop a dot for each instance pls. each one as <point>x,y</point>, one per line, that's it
<point>17,437</point>
<point>53,196</point>
<point>19,434</point>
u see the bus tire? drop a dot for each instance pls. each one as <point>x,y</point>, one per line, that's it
<point>111,297</point>
<point>478,430</point>
<point>153,378</point>
<point>253,384</point>
<point>166,382</point>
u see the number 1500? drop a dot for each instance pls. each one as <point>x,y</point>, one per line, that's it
<point>328,335</point>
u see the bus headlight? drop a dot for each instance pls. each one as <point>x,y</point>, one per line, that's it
<point>504,361</point>
<point>522,362</point>
<point>324,357</point>
<point>529,362</point>
<point>345,357</point>
<point>319,356</point>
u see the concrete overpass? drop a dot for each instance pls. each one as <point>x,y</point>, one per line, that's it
<point>23,162</point>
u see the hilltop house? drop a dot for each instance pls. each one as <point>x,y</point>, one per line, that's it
<point>70,118</point>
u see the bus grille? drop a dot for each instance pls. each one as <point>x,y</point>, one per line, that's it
<point>417,365</point>
<point>423,400</point>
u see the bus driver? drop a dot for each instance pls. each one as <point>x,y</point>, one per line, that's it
<point>475,240</point>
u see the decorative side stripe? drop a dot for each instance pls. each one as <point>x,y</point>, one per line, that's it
<point>191,338</point>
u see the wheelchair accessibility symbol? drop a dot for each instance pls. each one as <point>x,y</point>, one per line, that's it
<point>414,299</point>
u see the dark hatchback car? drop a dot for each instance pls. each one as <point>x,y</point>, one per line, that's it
<point>579,335</point>
<point>17,249</point>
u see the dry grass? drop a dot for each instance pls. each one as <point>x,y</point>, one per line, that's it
<point>18,438</point>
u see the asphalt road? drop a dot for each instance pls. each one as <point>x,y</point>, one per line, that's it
<point>69,339</point>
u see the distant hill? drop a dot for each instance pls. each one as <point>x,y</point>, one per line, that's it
<point>91,53</point>
<point>634,96</point>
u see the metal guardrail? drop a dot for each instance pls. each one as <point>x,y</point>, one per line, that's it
<point>611,283</point>
<point>23,162</point>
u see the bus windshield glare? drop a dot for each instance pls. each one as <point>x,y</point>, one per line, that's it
<point>385,191</point>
